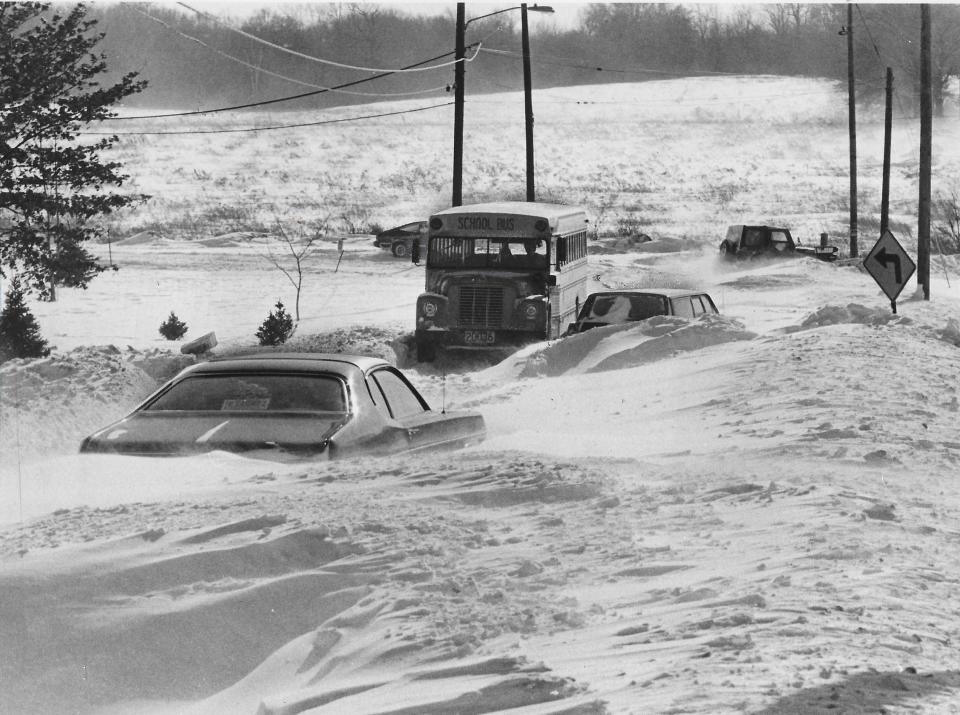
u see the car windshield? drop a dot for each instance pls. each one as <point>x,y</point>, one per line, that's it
<point>624,308</point>
<point>254,393</point>
<point>502,253</point>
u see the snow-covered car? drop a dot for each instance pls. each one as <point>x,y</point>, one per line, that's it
<point>754,241</point>
<point>305,404</point>
<point>625,306</point>
<point>400,239</point>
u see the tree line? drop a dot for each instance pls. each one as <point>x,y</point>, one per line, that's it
<point>196,61</point>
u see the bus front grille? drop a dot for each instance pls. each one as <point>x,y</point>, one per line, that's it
<point>481,306</point>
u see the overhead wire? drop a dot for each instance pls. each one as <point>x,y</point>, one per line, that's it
<point>593,68</point>
<point>311,58</point>
<point>276,74</point>
<point>270,128</point>
<point>263,103</point>
<point>866,26</point>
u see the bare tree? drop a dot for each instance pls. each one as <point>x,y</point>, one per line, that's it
<point>946,208</point>
<point>299,251</point>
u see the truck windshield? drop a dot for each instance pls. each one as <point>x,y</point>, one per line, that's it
<point>493,253</point>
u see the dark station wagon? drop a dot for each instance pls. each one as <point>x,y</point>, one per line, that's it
<point>400,239</point>
<point>277,404</point>
<point>624,306</point>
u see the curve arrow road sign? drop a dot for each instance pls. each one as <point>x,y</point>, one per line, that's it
<point>885,259</point>
<point>890,266</point>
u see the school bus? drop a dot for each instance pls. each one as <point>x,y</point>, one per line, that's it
<point>501,273</point>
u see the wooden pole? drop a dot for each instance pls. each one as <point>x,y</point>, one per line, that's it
<point>527,100</point>
<point>458,99</point>
<point>852,112</point>
<point>926,153</point>
<point>887,131</point>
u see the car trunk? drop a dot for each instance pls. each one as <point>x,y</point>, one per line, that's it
<point>179,432</point>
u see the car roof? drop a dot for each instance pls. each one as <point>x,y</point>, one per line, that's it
<point>291,362</point>
<point>665,292</point>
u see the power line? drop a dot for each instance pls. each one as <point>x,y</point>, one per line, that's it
<point>301,55</point>
<point>280,76</point>
<point>869,34</point>
<point>593,68</point>
<point>279,126</point>
<point>866,26</point>
<point>266,102</point>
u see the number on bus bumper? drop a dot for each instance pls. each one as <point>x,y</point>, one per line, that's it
<point>479,337</point>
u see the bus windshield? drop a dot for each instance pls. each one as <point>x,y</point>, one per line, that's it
<point>493,253</point>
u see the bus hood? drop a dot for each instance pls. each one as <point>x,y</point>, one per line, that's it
<point>525,283</point>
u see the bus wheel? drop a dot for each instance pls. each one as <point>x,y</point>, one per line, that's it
<point>426,351</point>
<point>400,250</point>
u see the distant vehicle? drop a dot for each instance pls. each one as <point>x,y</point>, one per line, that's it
<point>319,406</point>
<point>613,307</point>
<point>502,273</point>
<point>753,241</point>
<point>400,239</point>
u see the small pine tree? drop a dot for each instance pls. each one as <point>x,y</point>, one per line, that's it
<point>173,328</point>
<point>276,328</point>
<point>19,332</point>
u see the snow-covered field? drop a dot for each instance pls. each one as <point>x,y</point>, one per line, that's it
<point>749,513</point>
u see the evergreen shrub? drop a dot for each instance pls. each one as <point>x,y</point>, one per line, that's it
<point>173,328</point>
<point>19,332</point>
<point>276,328</point>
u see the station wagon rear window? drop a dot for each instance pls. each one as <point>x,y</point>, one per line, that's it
<point>623,308</point>
<point>253,393</point>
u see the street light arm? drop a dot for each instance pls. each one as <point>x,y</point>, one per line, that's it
<point>531,8</point>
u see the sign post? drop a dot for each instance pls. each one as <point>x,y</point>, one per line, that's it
<point>890,266</point>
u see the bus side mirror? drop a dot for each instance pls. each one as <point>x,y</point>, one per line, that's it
<point>415,252</point>
<point>552,280</point>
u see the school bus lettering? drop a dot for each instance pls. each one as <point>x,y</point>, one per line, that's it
<point>484,223</point>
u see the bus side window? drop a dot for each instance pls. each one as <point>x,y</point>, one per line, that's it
<point>561,251</point>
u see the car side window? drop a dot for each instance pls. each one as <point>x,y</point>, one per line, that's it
<point>401,399</point>
<point>376,394</point>
<point>753,238</point>
<point>682,307</point>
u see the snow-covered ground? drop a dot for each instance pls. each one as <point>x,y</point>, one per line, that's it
<point>755,512</point>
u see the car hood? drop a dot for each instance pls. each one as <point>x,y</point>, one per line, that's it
<point>180,433</point>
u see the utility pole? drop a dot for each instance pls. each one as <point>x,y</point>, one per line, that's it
<point>527,100</point>
<point>458,84</point>
<point>459,81</point>
<point>926,154</point>
<point>887,131</point>
<point>852,112</point>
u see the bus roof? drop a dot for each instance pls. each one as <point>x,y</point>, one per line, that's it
<point>562,218</point>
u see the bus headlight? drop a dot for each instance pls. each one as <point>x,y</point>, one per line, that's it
<point>431,310</point>
<point>531,311</point>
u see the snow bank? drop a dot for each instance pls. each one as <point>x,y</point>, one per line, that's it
<point>850,313</point>
<point>48,405</point>
<point>616,347</point>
